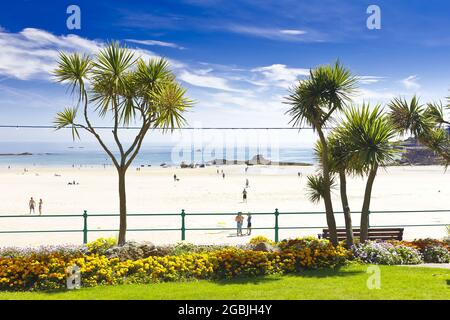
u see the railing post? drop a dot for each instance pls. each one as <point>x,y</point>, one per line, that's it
<point>276,225</point>
<point>85,227</point>
<point>183,226</point>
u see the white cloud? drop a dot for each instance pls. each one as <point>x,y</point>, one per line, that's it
<point>202,79</point>
<point>410,82</point>
<point>292,31</point>
<point>279,75</point>
<point>156,43</point>
<point>268,33</point>
<point>32,53</point>
<point>369,79</point>
<point>373,96</point>
<point>249,102</point>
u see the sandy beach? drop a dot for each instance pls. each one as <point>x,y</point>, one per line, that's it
<point>202,190</point>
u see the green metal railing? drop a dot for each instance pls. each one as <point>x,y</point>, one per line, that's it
<point>183,215</point>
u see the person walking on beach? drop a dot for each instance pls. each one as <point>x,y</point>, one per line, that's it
<point>249,224</point>
<point>223,175</point>
<point>31,204</point>
<point>244,196</point>
<point>175,177</point>
<point>40,206</point>
<point>239,221</point>
<point>246,183</point>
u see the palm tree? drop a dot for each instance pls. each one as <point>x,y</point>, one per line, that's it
<point>313,102</point>
<point>426,124</point>
<point>341,164</point>
<point>126,90</point>
<point>368,135</point>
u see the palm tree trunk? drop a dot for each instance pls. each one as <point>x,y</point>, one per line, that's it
<point>331,222</point>
<point>346,209</point>
<point>123,207</point>
<point>364,235</point>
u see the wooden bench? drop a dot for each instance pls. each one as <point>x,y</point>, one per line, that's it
<point>374,234</point>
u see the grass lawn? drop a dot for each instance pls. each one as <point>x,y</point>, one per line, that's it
<point>347,283</point>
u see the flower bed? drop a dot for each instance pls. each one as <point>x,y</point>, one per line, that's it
<point>432,250</point>
<point>101,263</point>
<point>386,253</point>
<point>45,270</point>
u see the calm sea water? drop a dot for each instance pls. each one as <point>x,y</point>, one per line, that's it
<point>64,155</point>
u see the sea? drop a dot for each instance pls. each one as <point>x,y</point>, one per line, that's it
<point>62,154</point>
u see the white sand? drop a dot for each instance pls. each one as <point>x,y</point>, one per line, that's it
<point>152,190</point>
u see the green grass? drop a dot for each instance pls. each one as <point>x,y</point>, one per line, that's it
<point>347,283</point>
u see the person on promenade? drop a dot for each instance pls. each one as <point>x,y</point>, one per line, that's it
<point>31,204</point>
<point>249,223</point>
<point>244,195</point>
<point>40,206</point>
<point>239,221</point>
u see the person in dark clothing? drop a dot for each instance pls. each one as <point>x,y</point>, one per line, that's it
<point>249,224</point>
<point>244,195</point>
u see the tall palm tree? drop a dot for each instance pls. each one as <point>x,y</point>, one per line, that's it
<point>124,89</point>
<point>341,164</point>
<point>313,101</point>
<point>368,134</point>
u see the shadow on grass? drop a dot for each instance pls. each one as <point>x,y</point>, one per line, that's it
<point>326,273</point>
<point>320,273</point>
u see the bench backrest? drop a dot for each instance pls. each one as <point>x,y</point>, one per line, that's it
<point>374,234</point>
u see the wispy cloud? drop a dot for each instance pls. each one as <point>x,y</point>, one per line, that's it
<point>269,33</point>
<point>279,75</point>
<point>203,79</point>
<point>369,79</point>
<point>32,53</point>
<point>156,43</point>
<point>373,96</point>
<point>292,32</point>
<point>410,82</point>
<point>246,101</point>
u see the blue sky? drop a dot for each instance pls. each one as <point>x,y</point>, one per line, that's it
<point>237,58</point>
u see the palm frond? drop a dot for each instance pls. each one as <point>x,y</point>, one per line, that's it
<point>368,134</point>
<point>171,103</point>
<point>314,99</point>
<point>74,70</point>
<point>435,113</point>
<point>409,117</point>
<point>66,118</point>
<point>316,187</point>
